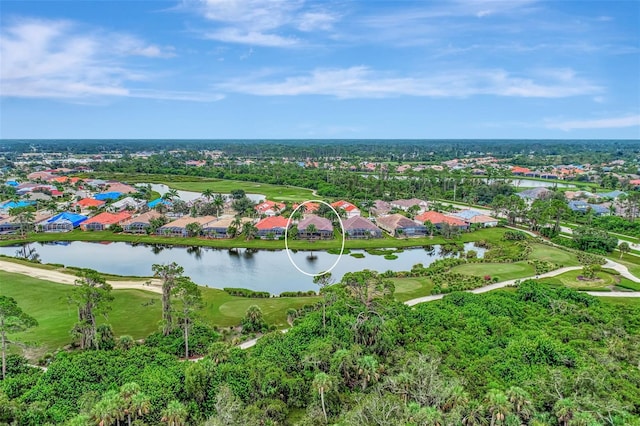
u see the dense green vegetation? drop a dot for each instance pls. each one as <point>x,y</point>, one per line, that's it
<point>536,355</point>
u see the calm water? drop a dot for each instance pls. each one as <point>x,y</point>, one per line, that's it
<point>192,195</point>
<point>262,270</point>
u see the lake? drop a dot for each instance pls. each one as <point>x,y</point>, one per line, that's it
<point>192,195</point>
<point>262,270</point>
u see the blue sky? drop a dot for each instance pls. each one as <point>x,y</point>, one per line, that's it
<point>302,69</point>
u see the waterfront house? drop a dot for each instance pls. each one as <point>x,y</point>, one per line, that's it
<point>398,225</point>
<point>472,216</point>
<point>358,227</point>
<point>272,226</point>
<point>62,222</point>
<point>139,224</point>
<point>323,228</point>
<point>220,227</point>
<point>104,220</point>
<point>178,227</point>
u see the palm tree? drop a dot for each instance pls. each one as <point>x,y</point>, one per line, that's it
<point>171,195</point>
<point>368,369</point>
<point>249,230</point>
<point>311,229</point>
<point>323,383</point>
<point>498,405</point>
<point>140,404</point>
<point>624,248</point>
<point>564,410</point>
<point>175,414</point>
<point>521,401</point>
<point>194,229</point>
<point>458,399</point>
<point>208,194</point>
<point>128,392</point>
<point>218,203</point>
<point>583,418</point>
<point>474,414</point>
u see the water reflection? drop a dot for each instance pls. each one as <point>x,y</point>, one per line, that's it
<point>262,270</point>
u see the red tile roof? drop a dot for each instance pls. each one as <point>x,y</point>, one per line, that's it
<point>89,202</point>
<point>345,205</point>
<point>435,218</point>
<point>107,218</point>
<point>518,169</point>
<point>272,222</point>
<point>269,205</point>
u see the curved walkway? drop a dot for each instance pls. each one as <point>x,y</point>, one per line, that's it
<point>64,278</point>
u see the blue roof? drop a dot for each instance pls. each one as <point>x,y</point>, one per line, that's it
<point>12,183</point>
<point>75,219</point>
<point>152,204</point>
<point>598,209</point>
<point>107,196</point>
<point>12,204</point>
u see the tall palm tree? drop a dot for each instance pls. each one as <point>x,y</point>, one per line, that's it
<point>218,203</point>
<point>459,398</point>
<point>498,405</point>
<point>521,401</point>
<point>564,410</point>
<point>473,414</point>
<point>128,392</point>
<point>175,414</point>
<point>249,230</point>
<point>140,404</point>
<point>323,383</point>
<point>208,194</point>
<point>368,370</point>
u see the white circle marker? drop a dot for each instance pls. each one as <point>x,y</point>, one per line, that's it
<point>286,239</point>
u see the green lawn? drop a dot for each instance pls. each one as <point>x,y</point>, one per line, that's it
<point>553,254</point>
<point>135,312</point>
<point>503,271</point>
<point>570,279</point>
<point>410,288</point>
<point>631,262</point>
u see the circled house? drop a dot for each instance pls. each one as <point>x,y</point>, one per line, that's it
<point>314,227</point>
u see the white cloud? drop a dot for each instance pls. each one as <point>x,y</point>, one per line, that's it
<point>270,23</point>
<point>60,60</point>
<point>362,82</point>
<point>600,123</point>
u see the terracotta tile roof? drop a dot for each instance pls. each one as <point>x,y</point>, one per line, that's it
<point>436,218</point>
<point>90,202</point>
<point>107,218</point>
<point>272,222</point>
<point>143,218</point>
<point>345,205</point>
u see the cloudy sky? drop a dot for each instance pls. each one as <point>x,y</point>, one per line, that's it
<point>324,69</point>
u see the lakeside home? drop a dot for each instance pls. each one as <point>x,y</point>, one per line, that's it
<point>220,227</point>
<point>139,224</point>
<point>323,228</point>
<point>62,222</point>
<point>358,227</point>
<point>401,226</point>
<point>272,226</point>
<point>11,224</point>
<point>104,221</point>
<point>178,227</point>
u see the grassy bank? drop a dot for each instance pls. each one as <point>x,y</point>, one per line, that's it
<point>489,234</point>
<point>135,312</point>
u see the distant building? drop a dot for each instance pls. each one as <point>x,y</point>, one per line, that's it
<point>533,194</point>
<point>269,208</point>
<point>439,219</point>
<point>380,208</point>
<point>350,209</point>
<point>127,203</point>
<point>405,205</point>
